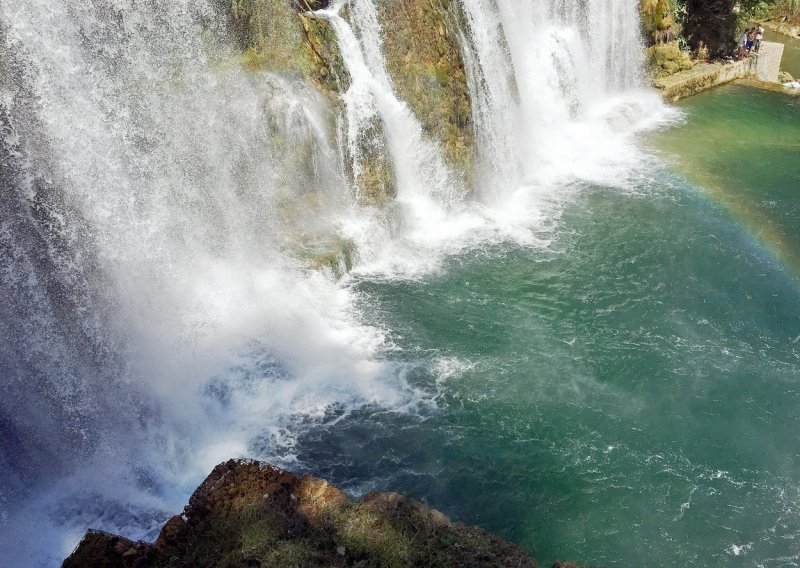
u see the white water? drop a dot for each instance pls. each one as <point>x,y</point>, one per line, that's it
<point>558,93</point>
<point>178,187</point>
<point>423,180</point>
<point>557,90</point>
<point>162,315</point>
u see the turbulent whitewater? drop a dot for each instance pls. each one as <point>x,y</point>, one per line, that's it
<point>164,212</point>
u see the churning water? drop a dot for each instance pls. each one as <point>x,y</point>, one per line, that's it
<point>586,356</point>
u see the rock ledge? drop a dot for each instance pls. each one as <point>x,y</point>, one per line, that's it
<point>250,514</point>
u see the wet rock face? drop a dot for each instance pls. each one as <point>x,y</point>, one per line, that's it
<point>248,513</point>
<point>423,56</point>
<point>276,35</point>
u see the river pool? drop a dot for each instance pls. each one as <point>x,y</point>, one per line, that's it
<point>631,395</point>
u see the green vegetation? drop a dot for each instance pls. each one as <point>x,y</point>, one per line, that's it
<point>702,29</point>
<point>666,53</point>
<point>667,59</point>
<point>658,20</point>
<point>713,24</point>
<point>789,9</point>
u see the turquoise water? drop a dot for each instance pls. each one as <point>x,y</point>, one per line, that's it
<point>630,396</point>
<point>742,147</point>
<point>791,51</point>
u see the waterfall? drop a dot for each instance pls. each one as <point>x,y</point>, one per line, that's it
<point>420,171</point>
<point>555,88</point>
<point>165,214</point>
<point>161,208</point>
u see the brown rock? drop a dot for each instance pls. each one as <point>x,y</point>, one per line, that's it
<point>248,513</point>
<point>103,550</point>
<point>171,533</point>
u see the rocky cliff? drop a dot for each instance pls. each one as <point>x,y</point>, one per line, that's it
<point>422,55</point>
<point>424,58</point>
<point>250,514</point>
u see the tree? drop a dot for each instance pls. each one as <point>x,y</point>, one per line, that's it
<point>712,23</point>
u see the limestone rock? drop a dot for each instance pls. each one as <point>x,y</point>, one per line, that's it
<point>248,513</point>
<point>275,35</point>
<point>423,56</point>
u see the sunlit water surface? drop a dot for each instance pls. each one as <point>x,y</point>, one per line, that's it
<point>790,62</point>
<point>630,396</point>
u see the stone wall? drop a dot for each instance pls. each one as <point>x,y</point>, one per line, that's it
<point>764,66</point>
<point>768,62</point>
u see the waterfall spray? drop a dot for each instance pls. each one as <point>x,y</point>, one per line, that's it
<point>154,272</point>
<point>160,211</point>
<point>556,89</point>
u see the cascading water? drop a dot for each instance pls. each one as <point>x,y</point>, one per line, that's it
<point>158,204</point>
<point>158,207</point>
<point>556,87</point>
<point>417,163</point>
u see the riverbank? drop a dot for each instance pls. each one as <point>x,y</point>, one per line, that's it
<point>791,29</point>
<point>767,86</point>
<point>763,66</point>
<point>791,51</point>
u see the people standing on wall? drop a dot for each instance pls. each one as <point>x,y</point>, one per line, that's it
<point>743,43</point>
<point>751,40</point>
<point>759,37</point>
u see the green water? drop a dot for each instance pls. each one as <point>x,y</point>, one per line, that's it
<point>742,146</point>
<point>791,52</point>
<point>630,397</point>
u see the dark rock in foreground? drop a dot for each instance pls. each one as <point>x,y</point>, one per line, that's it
<point>248,513</point>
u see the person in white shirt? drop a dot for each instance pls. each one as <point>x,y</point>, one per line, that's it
<point>759,37</point>
<point>743,43</point>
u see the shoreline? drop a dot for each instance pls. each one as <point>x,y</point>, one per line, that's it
<point>762,68</point>
<point>767,86</point>
<point>785,28</point>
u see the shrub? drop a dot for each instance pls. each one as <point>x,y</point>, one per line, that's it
<point>667,59</point>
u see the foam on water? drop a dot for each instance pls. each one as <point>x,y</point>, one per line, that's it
<point>545,126</point>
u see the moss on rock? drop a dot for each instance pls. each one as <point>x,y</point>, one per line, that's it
<point>249,513</point>
<point>275,35</point>
<point>423,56</point>
<point>331,253</point>
<point>667,59</point>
